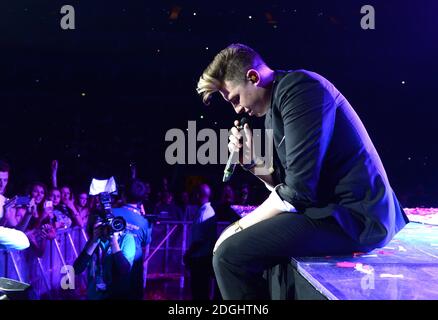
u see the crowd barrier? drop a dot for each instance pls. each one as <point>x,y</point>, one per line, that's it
<point>46,274</point>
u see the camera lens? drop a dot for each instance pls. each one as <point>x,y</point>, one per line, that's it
<point>118,224</point>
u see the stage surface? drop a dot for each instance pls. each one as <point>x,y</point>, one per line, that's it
<point>405,269</point>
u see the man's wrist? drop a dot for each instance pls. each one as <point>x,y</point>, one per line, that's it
<point>237,226</point>
<point>114,238</point>
<point>249,166</point>
<point>255,163</point>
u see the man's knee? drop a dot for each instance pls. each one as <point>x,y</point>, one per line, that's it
<point>225,253</point>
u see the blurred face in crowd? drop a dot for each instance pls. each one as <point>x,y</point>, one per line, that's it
<point>14,215</point>
<point>37,193</point>
<point>4,177</point>
<point>167,198</point>
<point>185,197</point>
<point>228,194</point>
<point>203,194</point>
<point>65,194</point>
<point>19,214</point>
<point>147,190</point>
<point>147,187</point>
<point>244,193</point>
<point>83,198</point>
<point>165,185</point>
<point>56,197</point>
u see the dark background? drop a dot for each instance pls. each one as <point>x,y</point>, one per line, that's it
<point>138,63</point>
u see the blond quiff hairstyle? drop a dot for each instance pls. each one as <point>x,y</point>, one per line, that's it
<point>230,64</point>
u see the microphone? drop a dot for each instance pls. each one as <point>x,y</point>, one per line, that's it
<point>234,157</point>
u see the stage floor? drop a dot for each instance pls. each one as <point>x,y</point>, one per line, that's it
<point>405,269</point>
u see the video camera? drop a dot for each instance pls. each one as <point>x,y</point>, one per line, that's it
<point>18,202</point>
<point>103,189</point>
<point>115,224</point>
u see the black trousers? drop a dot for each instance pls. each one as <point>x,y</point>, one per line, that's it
<point>241,260</point>
<point>202,279</point>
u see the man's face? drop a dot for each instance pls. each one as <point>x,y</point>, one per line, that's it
<point>65,194</point>
<point>4,177</point>
<point>246,97</point>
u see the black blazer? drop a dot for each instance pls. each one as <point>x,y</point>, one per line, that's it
<point>325,159</point>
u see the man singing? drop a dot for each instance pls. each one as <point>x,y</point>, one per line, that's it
<point>329,191</point>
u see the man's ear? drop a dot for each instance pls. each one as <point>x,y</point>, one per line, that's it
<point>253,76</point>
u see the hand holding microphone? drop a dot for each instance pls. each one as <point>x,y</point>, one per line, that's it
<point>241,137</point>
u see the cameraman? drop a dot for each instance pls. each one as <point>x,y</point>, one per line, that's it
<point>139,227</point>
<point>110,268</point>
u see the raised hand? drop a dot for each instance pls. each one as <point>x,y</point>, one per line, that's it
<point>133,170</point>
<point>54,166</point>
<point>48,232</point>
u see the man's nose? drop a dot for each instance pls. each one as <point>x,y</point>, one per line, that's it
<point>238,109</point>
